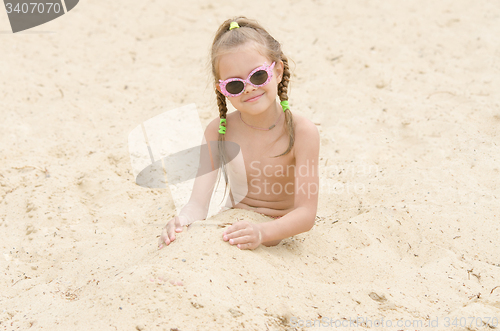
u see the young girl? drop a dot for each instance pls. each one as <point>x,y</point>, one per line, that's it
<point>280,150</point>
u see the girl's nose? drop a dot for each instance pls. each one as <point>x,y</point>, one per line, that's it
<point>249,88</point>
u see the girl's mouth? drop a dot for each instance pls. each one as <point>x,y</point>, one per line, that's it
<point>254,98</point>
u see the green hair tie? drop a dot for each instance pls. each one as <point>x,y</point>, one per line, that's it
<point>233,25</point>
<point>284,105</point>
<point>222,129</point>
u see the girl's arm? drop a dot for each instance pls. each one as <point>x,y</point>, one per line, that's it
<point>302,217</point>
<point>204,183</point>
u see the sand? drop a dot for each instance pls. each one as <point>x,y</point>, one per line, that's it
<point>405,96</point>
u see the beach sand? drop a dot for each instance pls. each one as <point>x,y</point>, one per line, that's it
<point>403,95</point>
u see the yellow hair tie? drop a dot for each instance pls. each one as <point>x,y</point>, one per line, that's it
<point>233,25</point>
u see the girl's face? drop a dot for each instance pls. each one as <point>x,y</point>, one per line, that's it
<point>239,64</point>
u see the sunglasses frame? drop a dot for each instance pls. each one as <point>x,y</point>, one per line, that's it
<point>265,67</point>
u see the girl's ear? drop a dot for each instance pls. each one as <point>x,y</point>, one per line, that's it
<point>279,70</point>
<point>217,86</point>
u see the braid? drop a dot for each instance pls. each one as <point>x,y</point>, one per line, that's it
<point>283,85</point>
<point>283,95</point>
<point>221,102</point>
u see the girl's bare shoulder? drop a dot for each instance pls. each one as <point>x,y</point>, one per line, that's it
<point>232,124</point>
<point>212,130</point>
<point>305,128</point>
<point>306,138</point>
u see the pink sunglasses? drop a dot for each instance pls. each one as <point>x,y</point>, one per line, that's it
<point>232,87</point>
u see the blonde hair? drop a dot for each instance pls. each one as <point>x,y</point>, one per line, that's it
<point>225,40</point>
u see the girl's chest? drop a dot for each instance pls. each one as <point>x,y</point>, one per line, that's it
<point>262,161</point>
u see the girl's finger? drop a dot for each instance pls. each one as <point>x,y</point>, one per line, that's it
<point>241,225</point>
<point>164,241</point>
<point>237,234</point>
<point>230,229</point>
<point>171,235</point>
<point>240,240</point>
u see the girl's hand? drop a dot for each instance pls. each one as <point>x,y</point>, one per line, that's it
<point>244,235</point>
<point>168,233</point>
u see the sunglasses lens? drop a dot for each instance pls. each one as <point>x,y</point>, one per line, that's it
<point>259,77</point>
<point>235,87</point>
